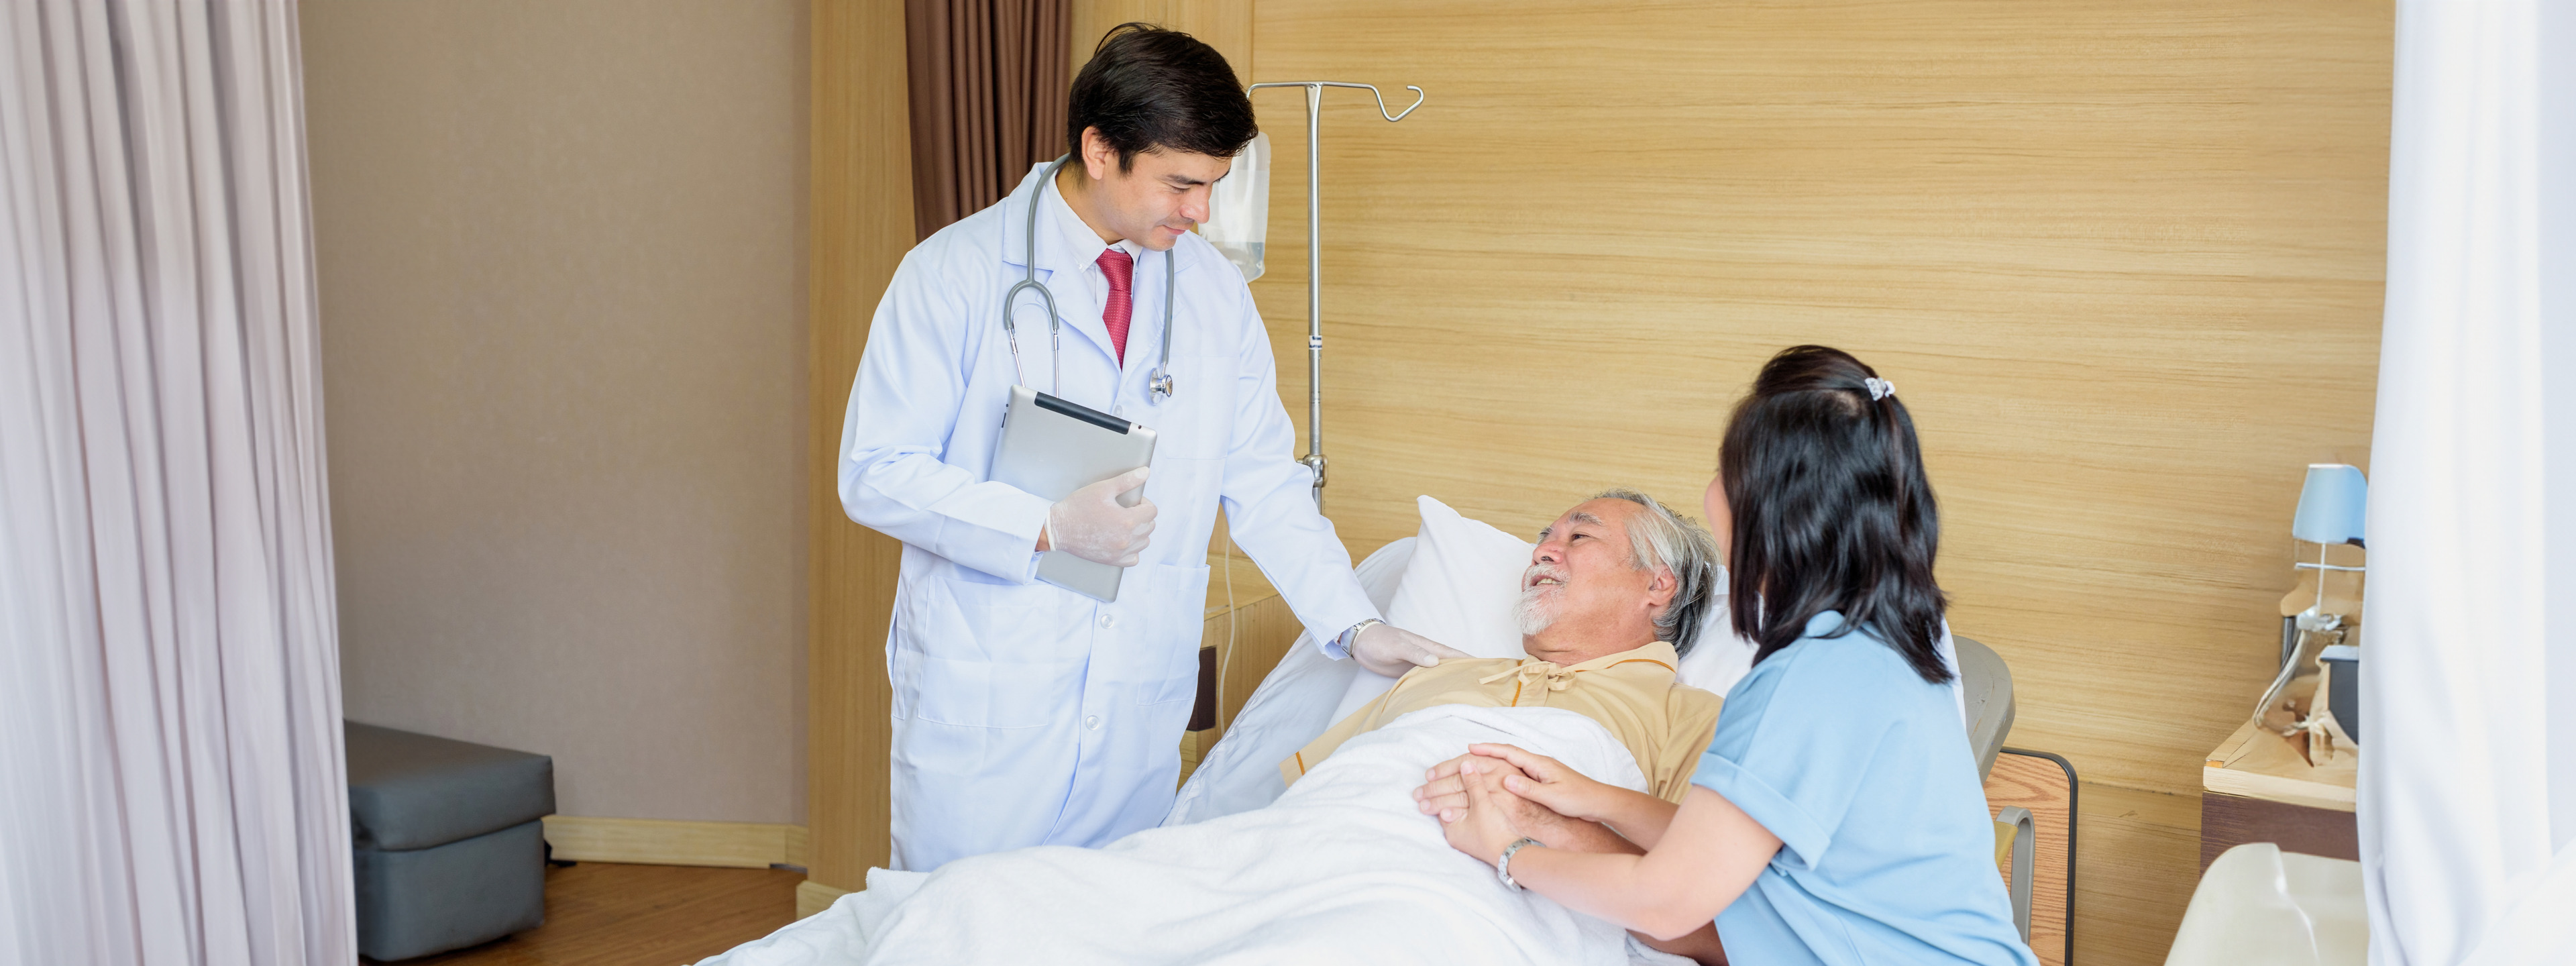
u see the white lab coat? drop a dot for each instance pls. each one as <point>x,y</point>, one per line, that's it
<point>1025,714</point>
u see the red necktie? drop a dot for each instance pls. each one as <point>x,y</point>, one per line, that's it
<point>1121,271</point>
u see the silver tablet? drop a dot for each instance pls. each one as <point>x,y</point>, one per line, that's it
<point>1051,448</point>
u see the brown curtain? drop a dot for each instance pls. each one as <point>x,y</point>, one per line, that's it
<point>988,89</point>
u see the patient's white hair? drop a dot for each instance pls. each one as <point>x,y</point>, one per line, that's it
<point>1661,538</point>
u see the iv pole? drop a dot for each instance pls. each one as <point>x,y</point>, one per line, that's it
<point>1314,458</point>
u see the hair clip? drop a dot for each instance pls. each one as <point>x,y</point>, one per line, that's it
<point>1879,388</point>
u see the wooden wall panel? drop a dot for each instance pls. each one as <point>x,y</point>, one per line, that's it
<point>862,224</point>
<point>1223,24</point>
<point>2122,260</point>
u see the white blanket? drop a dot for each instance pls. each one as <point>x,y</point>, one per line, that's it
<point>1339,869</point>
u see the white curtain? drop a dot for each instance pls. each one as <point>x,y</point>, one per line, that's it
<point>171,781</point>
<point>2468,781</point>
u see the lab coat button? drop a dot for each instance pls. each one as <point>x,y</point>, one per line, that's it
<point>1108,620</point>
<point>1092,722</point>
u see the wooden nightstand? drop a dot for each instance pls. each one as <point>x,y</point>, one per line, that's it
<point>2256,788</point>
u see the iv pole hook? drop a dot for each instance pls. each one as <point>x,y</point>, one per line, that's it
<point>1314,458</point>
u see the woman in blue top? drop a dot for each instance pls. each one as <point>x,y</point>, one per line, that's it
<point>1838,818</point>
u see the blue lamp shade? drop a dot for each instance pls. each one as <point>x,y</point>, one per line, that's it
<point>2331,505</point>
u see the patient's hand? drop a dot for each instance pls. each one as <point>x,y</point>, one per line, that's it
<point>1495,818</point>
<point>1444,789</point>
<point>1443,793</point>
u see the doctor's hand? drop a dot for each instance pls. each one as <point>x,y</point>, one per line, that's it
<point>1091,525</point>
<point>1391,650</point>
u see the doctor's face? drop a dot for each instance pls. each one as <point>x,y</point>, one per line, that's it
<point>1162,194</point>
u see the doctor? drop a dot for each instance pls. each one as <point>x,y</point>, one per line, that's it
<point>1025,714</point>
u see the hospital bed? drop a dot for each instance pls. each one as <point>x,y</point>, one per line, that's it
<point>1297,700</point>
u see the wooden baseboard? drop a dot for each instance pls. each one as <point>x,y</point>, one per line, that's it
<point>645,841</point>
<point>813,897</point>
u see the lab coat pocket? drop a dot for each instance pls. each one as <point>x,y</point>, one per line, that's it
<point>1197,421</point>
<point>995,694</point>
<point>1177,627</point>
<point>983,655</point>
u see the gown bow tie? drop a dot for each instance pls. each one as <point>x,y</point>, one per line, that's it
<point>1535,671</point>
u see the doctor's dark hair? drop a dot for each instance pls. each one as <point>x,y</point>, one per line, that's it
<point>1146,87</point>
<point>1831,510</point>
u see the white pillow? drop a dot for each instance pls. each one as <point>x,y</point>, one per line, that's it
<point>1719,658</point>
<point>1459,589</point>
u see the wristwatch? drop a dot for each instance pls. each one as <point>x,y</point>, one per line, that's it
<point>1503,866</point>
<point>1351,635</point>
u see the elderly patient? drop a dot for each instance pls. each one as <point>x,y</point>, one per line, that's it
<point>1615,591</point>
<point>1613,595</point>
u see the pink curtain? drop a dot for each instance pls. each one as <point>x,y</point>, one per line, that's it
<point>171,779</point>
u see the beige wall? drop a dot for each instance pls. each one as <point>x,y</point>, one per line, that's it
<point>562,281</point>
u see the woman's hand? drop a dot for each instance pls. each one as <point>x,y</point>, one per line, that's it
<point>1561,792</point>
<point>1546,781</point>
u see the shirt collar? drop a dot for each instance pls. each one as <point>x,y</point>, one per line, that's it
<point>1659,652</point>
<point>1079,240</point>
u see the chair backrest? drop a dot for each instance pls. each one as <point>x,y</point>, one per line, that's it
<point>1987,686</point>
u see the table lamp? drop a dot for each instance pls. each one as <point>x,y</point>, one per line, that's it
<point>2331,508</point>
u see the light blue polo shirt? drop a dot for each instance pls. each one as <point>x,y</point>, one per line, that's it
<point>1861,769</point>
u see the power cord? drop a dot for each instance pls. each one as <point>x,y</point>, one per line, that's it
<point>1232,621</point>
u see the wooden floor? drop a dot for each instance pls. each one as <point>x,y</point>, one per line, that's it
<point>643,915</point>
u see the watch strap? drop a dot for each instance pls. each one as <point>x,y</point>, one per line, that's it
<point>1351,635</point>
<point>1503,865</point>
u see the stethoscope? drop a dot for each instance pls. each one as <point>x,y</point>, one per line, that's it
<point>1160,380</point>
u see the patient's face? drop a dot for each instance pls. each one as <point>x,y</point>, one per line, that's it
<point>1583,596</point>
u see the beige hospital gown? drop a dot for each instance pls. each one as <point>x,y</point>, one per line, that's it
<point>1664,723</point>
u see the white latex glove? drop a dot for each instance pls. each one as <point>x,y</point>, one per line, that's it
<point>1391,650</point>
<point>1091,525</point>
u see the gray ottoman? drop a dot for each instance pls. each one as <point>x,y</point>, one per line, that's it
<point>449,849</point>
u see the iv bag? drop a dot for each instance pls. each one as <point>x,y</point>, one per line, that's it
<point>1239,208</point>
